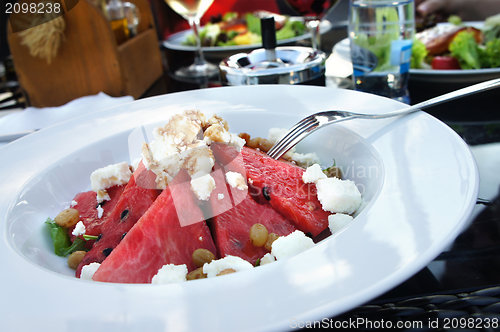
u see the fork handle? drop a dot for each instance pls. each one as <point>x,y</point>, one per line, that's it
<point>479,87</point>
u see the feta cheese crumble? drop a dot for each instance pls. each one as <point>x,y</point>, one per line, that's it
<point>291,245</point>
<point>267,258</point>
<point>217,132</point>
<point>178,144</point>
<point>313,173</point>
<point>79,229</point>
<point>305,159</point>
<point>202,186</point>
<point>100,211</point>
<point>236,180</point>
<point>73,203</point>
<point>338,196</point>
<point>229,262</point>
<point>220,196</point>
<point>106,177</point>
<point>170,273</point>
<point>302,159</point>
<point>89,270</point>
<point>337,221</point>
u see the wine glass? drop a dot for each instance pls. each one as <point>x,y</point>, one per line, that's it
<point>312,11</point>
<point>192,11</point>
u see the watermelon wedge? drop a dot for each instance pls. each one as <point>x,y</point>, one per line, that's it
<point>87,207</point>
<point>281,184</point>
<point>132,204</point>
<point>158,238</point>
<point>231,227</point>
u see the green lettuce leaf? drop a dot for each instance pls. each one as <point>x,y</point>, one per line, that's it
<point>490,54</point>
<point>290,29</point>
<point>465,48</point>
<point>418,54</point>
<point>253,23</point>
<point>61,241</point>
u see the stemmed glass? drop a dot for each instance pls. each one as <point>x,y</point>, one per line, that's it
<point>312,11</point>
<point>192,11</point>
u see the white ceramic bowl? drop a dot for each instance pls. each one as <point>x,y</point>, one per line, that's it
<point>418,179</point>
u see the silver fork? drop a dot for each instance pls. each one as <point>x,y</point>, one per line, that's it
<point>313,122</point>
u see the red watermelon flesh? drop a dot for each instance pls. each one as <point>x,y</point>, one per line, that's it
<point>87,208</point>
<point>281,183</point>
<point>158,238</point>
<point>231,229</point>
<point>228,159</point>
<point>218,204</point>
<point>132,204</point>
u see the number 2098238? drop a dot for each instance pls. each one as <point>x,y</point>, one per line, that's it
<point>42,7</point>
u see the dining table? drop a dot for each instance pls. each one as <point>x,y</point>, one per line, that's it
<point>460,288</point>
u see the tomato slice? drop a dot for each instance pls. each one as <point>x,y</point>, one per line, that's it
<point>235,26</point>
<point>445,62</point>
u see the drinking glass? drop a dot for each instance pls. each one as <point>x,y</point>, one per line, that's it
<point>312,11</point>
<point>192,11</point>
<point>381,35</point>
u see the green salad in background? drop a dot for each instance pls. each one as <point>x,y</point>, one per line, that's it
<point>462,48</point>
<point>244,29</point>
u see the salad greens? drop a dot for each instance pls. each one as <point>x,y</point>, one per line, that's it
<point>235,29</point>
<point>290,30</point>
<point>455,20</point>
<point>61,241</point>
<point>253,23</point>
<point>418,54</point>
<point>471,55</point>
<point>465,48</point>
<point>492,28</point>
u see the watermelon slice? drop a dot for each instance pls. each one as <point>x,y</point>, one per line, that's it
<point>232,227</point>
<point>132,204</point>
<point>281,184</point>
<point>227,159</point>
<point>158,238</point>
<point>87,207</point>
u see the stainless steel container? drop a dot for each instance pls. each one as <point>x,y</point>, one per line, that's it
<point>283,65</point>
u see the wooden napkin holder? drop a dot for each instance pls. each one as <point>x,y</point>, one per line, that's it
<point>89,59</point>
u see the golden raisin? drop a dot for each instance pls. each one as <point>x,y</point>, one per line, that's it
<point>67,218</point>
<point>258,235</point>
<point>265,145</point>
<point>196,274</point>
<point>270,239</point>
<point>75,258</point>
<point>201,256</point>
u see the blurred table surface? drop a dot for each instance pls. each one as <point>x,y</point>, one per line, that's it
<point>472,262</point>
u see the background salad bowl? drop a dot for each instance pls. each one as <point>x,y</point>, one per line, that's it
<point>418,180</point>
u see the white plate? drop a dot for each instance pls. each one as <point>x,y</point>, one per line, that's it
<point>432,76</point>
<point>175,42</point>
<point>456,76</point>
<point>417,176</point>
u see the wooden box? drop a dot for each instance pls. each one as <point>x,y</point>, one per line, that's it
<point>89,59</point>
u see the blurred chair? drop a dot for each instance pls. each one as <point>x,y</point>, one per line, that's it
<point>89,59</point>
